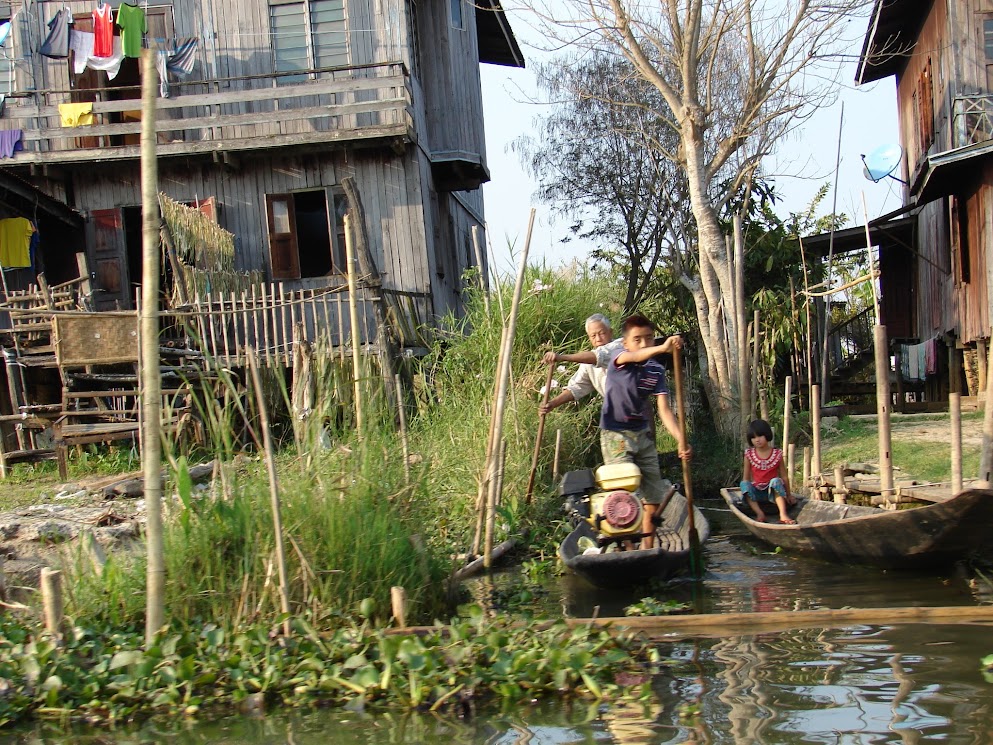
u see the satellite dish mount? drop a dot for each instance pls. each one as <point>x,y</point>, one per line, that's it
<point>881,163</point>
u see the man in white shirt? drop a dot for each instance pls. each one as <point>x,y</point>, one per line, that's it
<point>588,378</point>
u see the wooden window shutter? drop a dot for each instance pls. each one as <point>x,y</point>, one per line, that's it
<point>283,251</point>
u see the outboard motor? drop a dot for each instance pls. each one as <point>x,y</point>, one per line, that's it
<point>608,501</point>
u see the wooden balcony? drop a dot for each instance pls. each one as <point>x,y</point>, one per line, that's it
<point>370,104</point>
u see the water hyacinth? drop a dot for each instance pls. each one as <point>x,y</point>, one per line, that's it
<point>106,676</point>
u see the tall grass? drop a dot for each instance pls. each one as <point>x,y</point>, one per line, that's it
<point>348,512</point>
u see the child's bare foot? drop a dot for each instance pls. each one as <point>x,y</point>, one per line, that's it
<point>759,516</point>
<point>787,520</point>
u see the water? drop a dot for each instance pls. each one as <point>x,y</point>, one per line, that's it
<point>856,686</point>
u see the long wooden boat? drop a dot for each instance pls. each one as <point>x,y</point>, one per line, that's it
<point>612,569</point>
<point>918,537</point>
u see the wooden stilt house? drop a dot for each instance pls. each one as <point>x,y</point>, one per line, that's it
<point>265,107</point>
<point>936,251</point>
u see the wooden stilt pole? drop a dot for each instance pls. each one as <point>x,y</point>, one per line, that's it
<point>815,426</point>
<point>955,414</point>
<point>398,599</point>
<point>986,455</point>
<point>806,468</point>
<point>270,460</point>
<point>791,462</point>
<point>787,413</point>
<point>764,404</point>
<point>883,410</point>
<point>51,598</point>
<point>981,363</point>
<point>479,265</point>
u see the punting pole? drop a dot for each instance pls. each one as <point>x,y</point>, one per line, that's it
<point>541,433</point>
<point>353,319</point>
<point>696,559</point>
<point>757,339</point>
<point>787,412</point>
<point>815,426</point>
<point>741,326</point>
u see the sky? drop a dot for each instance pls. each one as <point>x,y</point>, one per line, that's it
<point>805,162</point>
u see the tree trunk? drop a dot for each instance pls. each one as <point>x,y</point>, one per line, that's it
<point>718,345</point>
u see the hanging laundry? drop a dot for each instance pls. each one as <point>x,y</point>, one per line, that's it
<point>103,30</point>
<point>161,59</point>
<point>133,24</point>
<point>15,242</point>
<point>10,142</point>
<point>184,56</point>
<point>82,45</point>
<point>56,44</point>
<point>76,114</point>
<point>931,357</point>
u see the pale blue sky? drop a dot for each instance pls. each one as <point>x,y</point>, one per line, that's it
<point>809,157</point>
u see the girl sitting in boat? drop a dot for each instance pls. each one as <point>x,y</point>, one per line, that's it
<point>764,473</point>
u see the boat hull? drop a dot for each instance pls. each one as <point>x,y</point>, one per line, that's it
<point>625,568</point>
<point>928,536</point>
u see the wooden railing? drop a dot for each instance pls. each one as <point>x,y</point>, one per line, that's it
<point>972,120</point>
<point>216,116</point>
<point>850,341</point>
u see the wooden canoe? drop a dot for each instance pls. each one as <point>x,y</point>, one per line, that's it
<point>914,538</point>
<point>613,569</point>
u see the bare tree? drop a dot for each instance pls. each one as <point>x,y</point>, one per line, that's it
<point>602,157</point>
<point>736,77</point>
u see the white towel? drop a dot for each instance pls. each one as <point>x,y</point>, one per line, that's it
<point>81,42</point>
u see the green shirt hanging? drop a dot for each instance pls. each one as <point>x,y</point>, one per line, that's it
<point>133,25</point>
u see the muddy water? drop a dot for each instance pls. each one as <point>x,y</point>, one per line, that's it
<point>859,685</point>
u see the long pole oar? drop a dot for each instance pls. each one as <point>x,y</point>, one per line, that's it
<point>541,433</point>
<point>696,563</point>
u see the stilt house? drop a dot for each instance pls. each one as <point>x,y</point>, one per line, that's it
<point>265,107</point>
<point>936,251</point>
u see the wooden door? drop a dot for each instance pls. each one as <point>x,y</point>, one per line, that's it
<point>108,258</point>
<point>284,254</point>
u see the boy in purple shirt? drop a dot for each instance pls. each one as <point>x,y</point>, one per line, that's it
<point>633,376</point>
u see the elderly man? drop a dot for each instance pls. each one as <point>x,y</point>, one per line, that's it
<point>588,378</point>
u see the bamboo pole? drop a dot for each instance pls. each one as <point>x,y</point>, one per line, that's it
<point>815,426</point>
<point>718,625</point>
<point>787,412</point>
<point>270,460</point>
<point>353,316</point>
<point>696,559</point>
<point>51,599</point>
<point>806,468</point>
<point>501,464</point>
<point>981,369</point>
<point>151,381</point>
<point>883,409</point>
<point>541,432</point>
<point>484,481</point>
<point>479,264</point>
<point>756,341</point>
<point>791,463</point>
<point>840,493</point>
<point>739,303</point>
<point>402,413</point>
<point>502,391</point>
<point>558,453</point>
<point>806,304</point>
<point>955,412</point>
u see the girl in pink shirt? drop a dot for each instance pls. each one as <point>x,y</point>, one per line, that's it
<point>764,473</point>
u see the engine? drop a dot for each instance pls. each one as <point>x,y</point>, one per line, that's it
<point>607,500</point>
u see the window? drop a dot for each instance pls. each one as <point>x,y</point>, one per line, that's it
<point>305,238</point>
<point>307,34</point>
<point>988,38</point>
<point>455,14</point>
<point>925,109</point>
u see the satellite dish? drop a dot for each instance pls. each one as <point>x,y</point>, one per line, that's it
<point>4,32</point>
<point>881,163</point>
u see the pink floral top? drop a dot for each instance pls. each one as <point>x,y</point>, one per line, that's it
<point>764,470</point>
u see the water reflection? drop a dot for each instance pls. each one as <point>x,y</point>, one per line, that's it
<point>857,686</point>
